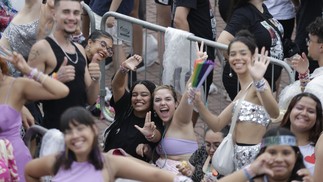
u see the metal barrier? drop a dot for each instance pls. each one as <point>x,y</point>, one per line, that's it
<point>153,27</point>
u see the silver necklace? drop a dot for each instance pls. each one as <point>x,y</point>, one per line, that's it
<point>77,56</point>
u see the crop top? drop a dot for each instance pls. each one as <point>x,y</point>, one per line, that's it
<point>175,146</point>
<point>253,113</point>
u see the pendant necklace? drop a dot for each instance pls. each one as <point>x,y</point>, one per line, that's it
<point>77,56</point>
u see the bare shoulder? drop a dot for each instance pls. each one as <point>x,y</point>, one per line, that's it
<point>39,50</point>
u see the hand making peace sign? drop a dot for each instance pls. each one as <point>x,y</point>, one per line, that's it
<point>148,130</point>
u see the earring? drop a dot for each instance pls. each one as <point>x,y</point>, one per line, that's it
<point>88,48</point>
<point>230,74</point>
<point>155,114</point>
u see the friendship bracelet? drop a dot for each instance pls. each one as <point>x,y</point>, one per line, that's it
<point>45,77</point>
<point>33,73</point>
<point>123,69</point>
<point>248,173</point>
<point>260,85</point>
<point>151,137</point>
<point>303,75</point>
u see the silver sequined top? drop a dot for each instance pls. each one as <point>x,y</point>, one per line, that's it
<point>21,38</point>
<point>250,112</point>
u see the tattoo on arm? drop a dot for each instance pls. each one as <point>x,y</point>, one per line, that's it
<point>33,55</point>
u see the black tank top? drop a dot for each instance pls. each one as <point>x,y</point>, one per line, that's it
<point>77,95</point>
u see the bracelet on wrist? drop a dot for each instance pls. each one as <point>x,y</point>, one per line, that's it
<point>123,69</point>
<point>260,85</point>
<point>248,173</point>
<point>54,76</point>
<point>33,73</point>
<point>151,137</point>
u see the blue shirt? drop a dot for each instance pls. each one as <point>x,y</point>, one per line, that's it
<point>100,7</point>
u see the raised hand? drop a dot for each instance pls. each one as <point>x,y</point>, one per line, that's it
<point>260,165</point>
<point>132,62</point>
<point>149,127</point>
<point>258,66</point>
<point>300,63</point>
<point>94,67</point>
<point>110,21</point>
<point>66,72</point>
<point>16,59</point>
<point>200,54</point>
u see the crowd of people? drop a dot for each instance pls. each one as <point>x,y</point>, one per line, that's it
<point>45,60</point>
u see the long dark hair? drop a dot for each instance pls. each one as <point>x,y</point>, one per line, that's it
<point>299,164</point>
<point>95,35</point>
<point>318,127</point>
<point>75,116</point>
<point>246,38</point>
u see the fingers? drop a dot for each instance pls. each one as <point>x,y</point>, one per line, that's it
<point>94,71</point>
<point>66,72</point>
<point>148,117</point>
<point>64,62</point>
<point>138,128</point>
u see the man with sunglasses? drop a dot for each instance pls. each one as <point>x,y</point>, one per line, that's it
<point>58,57</point>
<point>307,82</point>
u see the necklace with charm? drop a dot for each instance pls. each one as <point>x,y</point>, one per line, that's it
<point>77,56</point>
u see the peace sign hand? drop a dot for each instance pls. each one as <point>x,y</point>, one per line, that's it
<point>258,66</point>
<point>199,52</point>
<point>149,127</point>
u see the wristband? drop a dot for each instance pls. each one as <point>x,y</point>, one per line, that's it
<point>260,85</point>
<point>248,173</point>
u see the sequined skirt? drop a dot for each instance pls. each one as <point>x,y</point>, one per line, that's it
<point>244,155</point>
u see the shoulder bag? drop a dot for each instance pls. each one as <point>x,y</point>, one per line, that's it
<point>223,157</point>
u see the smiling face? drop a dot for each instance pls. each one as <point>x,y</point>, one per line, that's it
<point>79,138</point>
<point>303,115</point>
<point>99,49</point>
<point>141,100</point>
<point>239,56</point>
<point>67,16</point>
<point>284,159</point>
<point>164,104</point>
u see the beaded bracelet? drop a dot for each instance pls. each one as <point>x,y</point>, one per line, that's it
<point>260,85</point>
<point>33,73</point>
<point>303,75</point>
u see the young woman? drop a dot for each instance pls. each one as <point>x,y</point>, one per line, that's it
<point>279,160</point>
<point>304,118</point>
<point>129,131</point>
<point>200,167</point>
<point>14,93</point>
<point>98,46</point>
<point>253,16</point>
<point>258,106</point>
<point>83,161</point>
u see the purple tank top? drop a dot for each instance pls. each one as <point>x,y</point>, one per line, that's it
<point>80,172</point>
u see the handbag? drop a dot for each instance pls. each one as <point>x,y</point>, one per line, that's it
<point>290,48</point>
<point>222,159</point>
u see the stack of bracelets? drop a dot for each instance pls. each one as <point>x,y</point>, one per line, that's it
<point>304,78</point>
<point>36,75</point>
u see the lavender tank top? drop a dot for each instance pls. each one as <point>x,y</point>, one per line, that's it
<point>79,172</point>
